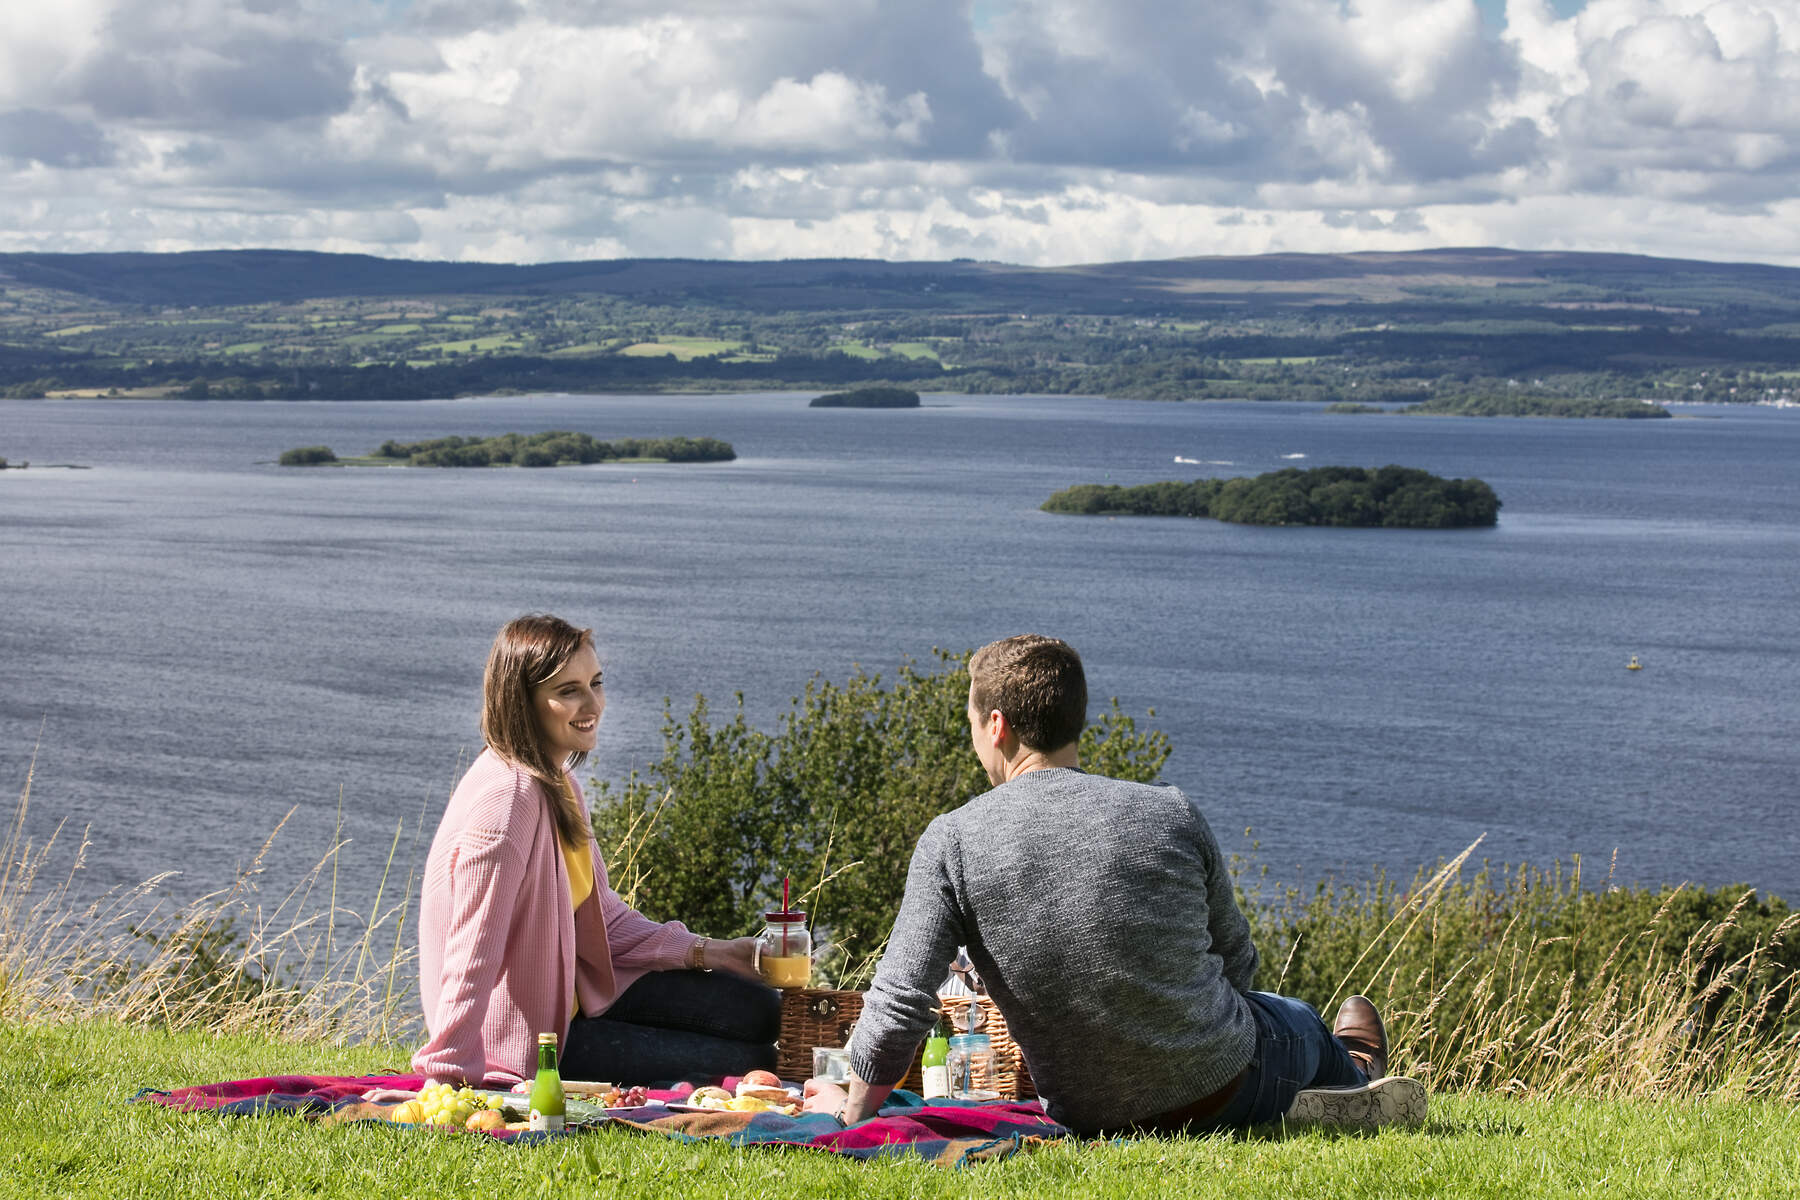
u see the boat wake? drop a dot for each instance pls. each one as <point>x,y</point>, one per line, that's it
<point>1293,456</point>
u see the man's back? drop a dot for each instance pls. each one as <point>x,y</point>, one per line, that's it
<point>1101,917</point>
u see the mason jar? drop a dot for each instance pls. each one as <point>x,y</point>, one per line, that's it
<point>971,1062</point>
<point>784,950</point>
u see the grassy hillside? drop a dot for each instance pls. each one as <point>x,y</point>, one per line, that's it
<point>68,1132</point>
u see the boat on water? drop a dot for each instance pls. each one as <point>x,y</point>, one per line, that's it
<point>1634,664</point>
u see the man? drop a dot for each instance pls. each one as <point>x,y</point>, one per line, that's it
<point>1100,915</point>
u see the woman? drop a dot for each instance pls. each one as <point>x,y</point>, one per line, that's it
<point>519,933</point>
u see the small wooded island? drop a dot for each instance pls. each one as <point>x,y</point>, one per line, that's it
<point>1391,497</point>
<point>868,397</point>
<point>1494,405</point>
<point>554,449</point>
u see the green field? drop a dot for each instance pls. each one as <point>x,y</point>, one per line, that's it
<point>683,348</point>
<point>854,349</point>
<point>69,1131</point>
<point>477,345</point>
<point>913,350</point>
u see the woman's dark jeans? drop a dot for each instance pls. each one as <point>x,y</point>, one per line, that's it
<point>670,1025</point>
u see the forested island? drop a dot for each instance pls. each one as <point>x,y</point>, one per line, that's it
<point>868,397</point>
<point>1522,405</point>
<point>553,449</point>
<point>1391,497</point>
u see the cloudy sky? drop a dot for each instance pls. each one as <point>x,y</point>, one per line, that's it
<point>1032,131</point>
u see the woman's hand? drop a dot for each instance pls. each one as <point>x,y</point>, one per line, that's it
<point>382,1095</point>
<point>738,955</point>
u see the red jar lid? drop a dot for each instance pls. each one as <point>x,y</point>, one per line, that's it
<point>785,918</point>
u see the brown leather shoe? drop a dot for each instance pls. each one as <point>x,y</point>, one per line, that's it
<point>1361,1032</point>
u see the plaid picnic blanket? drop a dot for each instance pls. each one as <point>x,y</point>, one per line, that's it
<point>944,1132</point>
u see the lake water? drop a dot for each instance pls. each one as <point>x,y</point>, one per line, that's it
<point>193,641</point>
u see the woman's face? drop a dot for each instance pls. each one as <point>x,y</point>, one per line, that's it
<point>569,704</point>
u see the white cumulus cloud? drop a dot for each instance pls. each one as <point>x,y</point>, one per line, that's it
<point>1032,130</point>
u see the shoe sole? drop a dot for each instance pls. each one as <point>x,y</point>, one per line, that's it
<point>1393,1100</point>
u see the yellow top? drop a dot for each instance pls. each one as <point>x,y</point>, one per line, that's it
<point>581,874</point>
<point>581,886</point>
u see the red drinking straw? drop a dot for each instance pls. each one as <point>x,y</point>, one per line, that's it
<point>784,912</point>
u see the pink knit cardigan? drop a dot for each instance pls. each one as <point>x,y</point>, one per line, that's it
<point>501,951</point>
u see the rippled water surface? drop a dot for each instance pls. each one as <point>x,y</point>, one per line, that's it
<point>193,641</point>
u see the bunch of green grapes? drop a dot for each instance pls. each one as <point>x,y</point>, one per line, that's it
<point>442,1104</point>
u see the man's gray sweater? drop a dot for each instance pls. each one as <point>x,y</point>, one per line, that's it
<point>1102,920</point>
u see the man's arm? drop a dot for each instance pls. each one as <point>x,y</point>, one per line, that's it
<point>902,1002</point>
<point>1225,921</point>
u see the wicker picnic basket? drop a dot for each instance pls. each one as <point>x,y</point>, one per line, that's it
<point>812,1017</point>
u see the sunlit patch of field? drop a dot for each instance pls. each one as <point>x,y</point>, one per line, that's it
<point>476,345</point>
<point>1297,360</point>
<point>683,349</point>
<point>913,349</point>
<point>855,349</point>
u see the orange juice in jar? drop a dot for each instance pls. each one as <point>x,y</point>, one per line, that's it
<point>784,950</point>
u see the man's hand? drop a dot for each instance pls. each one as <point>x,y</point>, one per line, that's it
<point>823,1096</point>
<point>858,1102</point>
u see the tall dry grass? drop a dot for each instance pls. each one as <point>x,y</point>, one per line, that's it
<point>1528,982</point>
<point>304,966</point>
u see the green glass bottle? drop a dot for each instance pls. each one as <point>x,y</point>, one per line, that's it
<point>547,1089</point>
<point>935,1064</point>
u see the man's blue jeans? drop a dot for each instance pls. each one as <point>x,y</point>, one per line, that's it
<point>1294,1051</point>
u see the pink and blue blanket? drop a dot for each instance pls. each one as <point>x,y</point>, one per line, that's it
<point>945,1132</point>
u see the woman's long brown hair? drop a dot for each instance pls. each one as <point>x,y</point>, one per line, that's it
<point>526,652</point>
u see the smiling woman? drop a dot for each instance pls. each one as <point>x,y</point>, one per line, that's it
<point>520,933</point>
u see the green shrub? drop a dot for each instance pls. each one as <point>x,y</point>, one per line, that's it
<point>307,456</point>
<point>835,799</point>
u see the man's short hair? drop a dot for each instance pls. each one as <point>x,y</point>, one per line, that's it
<point>1038,683</point>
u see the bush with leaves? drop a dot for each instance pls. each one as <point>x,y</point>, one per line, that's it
<point>836,798</point>
<point>307,456</point>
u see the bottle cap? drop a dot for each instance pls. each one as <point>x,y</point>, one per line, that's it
<point>972,1041</point>
<point>546,1039</point>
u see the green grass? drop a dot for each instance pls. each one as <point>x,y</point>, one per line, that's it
<point>683,348</point>
<point>854,349</point>
<point>913,350</point>
<point>1299,360</point>
<point>491,342</point>
<point>68,1131</point>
